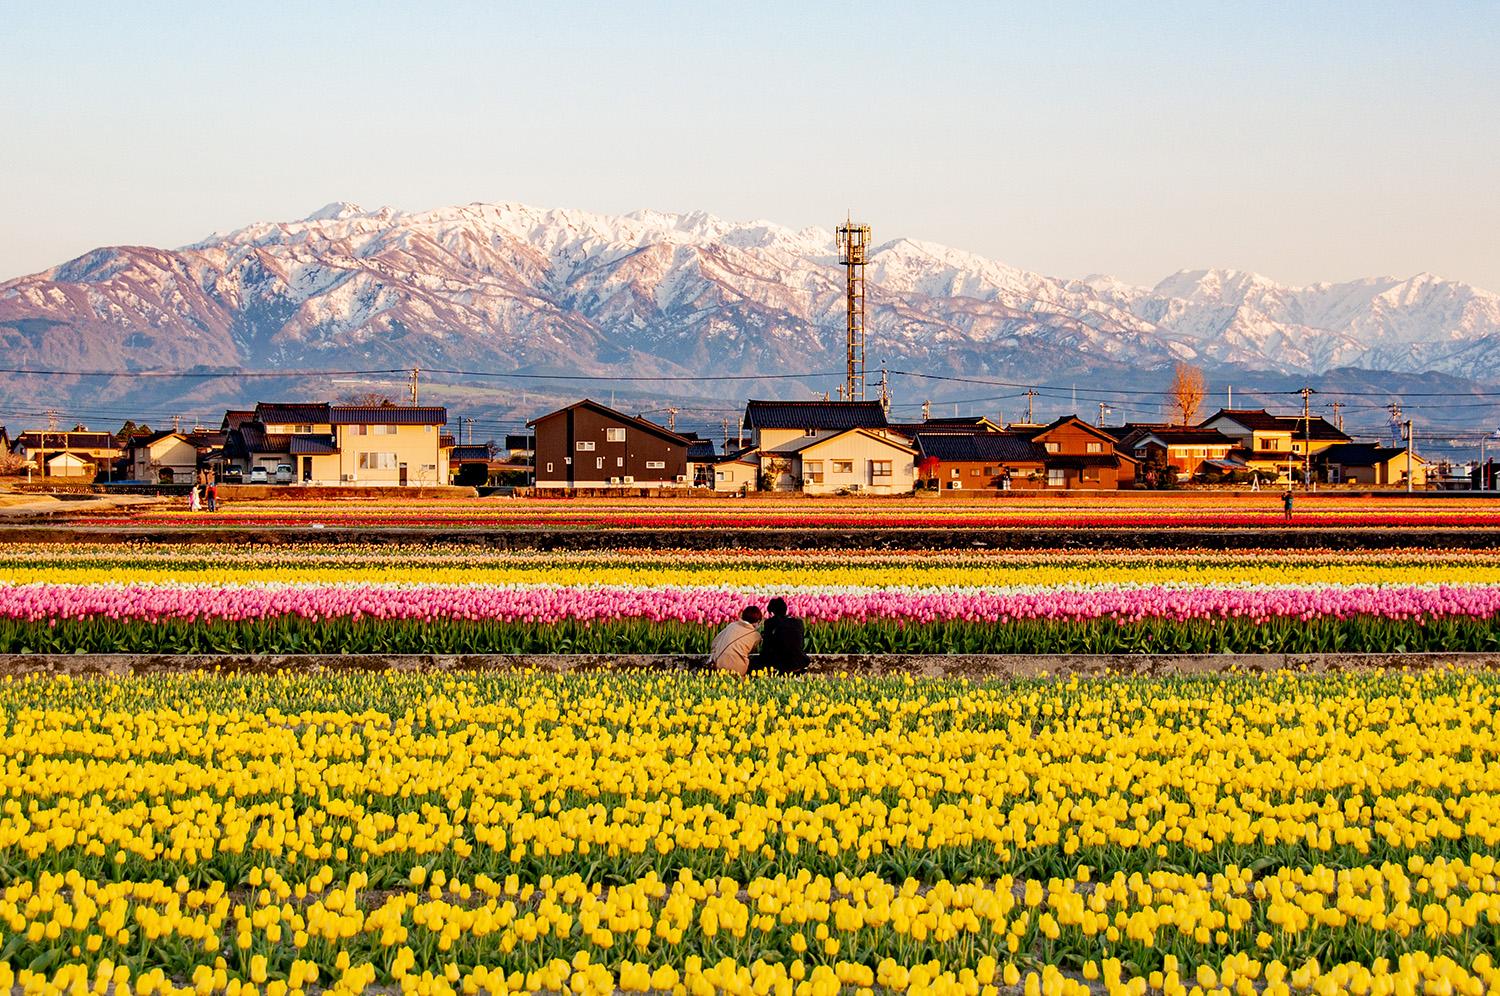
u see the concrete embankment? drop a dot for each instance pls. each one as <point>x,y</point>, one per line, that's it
<point>975,666</point>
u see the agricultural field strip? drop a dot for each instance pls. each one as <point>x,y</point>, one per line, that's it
<point>1334,833</point>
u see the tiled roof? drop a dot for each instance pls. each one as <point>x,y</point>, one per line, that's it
<point>446,440</point>
<point>305,445</point>
<point>747,454</point>
<point>892,440</point>
<point>814,415</point>
<point>701,451</point>
<point>1062,420</point>
<point>253,438</point>
<point>234,417</point>
<point>387,415</point>
<point>277,413</point>
<point>44,439</point>
<point>470,453</point>
<point>978,447</point>
<point>1187,435</point>
<point>1260,420</point>
<point>1359,454</point>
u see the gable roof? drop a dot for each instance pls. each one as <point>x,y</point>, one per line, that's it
<point>1260,420</point>
<point>1363,454</point>
<point>1184,435</point>
<point>979,447</point>
<point>701,450</point>
<point>1063,420</point>
<point>608,412</point>
<point>824,440</point>
<point>814,415</point>
<point>234,416</point>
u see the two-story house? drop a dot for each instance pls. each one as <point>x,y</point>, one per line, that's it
<point>822,447</point>
<point>1185,447</point>
<point>1080,456</point>
<point>591,446</point>
<point>1275,445</point>
<point>979,461</point>
<point>78,453</point>
<point>327,444</point>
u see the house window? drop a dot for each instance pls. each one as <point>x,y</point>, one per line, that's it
<point>1263,444</point>
<point>377,461</point>
<point>1057,477</point>
<point>656,465</point>
<point>843,466</point>
<point>614,435</point>
<point>598,463</point>
<point>302,428</point>
<point>549,468</point>
<point>1093,448</point>
<point>954,472</point>
<point>974,472</point>
<point>1054,447</point>
<point>880,468</point>
<point>719,475</point>
<point>991,471</point>
<point>585,446</point>
<point>374,430</point>
<point>1296,447</point>
<point>1090,473</point>
<point>619,461</point>
<point>812,471</point>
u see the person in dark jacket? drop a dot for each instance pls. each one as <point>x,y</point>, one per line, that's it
<point>781,641</point>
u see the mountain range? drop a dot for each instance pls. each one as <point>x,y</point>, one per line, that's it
<point>506,287</point>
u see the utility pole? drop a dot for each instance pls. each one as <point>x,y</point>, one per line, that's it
<point>1307,394</point>
<point>885,392</point>
<point>414,372</point>
<point>468,426</point>
<point>51,419</point>
<point>1395,424</point>
<point>841,392</point>
<point>176,423</point>
<point>926,410</point>
<point>1411,438</point>
<point>725,423</point>
<point>1338,414</point>
<point>1102,409</point>
<point>672,419</point>
<point>1030,395</point>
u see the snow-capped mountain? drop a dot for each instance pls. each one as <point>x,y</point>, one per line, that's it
<point>511,287</point>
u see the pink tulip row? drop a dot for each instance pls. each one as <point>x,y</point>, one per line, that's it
<point>433,603</point>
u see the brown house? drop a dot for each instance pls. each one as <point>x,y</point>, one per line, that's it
<point>589,445</point>
<point>1080,456</point>
<point>979,461</point>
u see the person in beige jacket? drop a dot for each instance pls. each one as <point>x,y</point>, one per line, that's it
<point>734,643</point>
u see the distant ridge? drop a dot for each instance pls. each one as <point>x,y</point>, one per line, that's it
<point>507,286</point>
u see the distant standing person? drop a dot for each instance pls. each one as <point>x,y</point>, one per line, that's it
<point>193,498</point>
<point>211,492</point>
<point>734,643</point>
<point>1286,504</point>
<point>782,637</point>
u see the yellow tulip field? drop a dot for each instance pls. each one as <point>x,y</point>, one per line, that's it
<point>692,833</point>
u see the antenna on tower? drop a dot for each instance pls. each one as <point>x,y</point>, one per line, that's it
<point>853,241</point>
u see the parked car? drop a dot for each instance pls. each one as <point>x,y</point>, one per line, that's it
<point>283,473</point>
<point>232,475</point>
<point>258,475</point>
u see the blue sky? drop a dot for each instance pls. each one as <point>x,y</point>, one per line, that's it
<point>1306,141</point>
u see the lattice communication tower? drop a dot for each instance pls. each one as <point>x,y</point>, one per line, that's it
<point>854,241</point>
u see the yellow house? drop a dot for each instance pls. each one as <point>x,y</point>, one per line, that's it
<point>785,433</point>
<point>737,471</point>
<point>359,445</point>
<point>855,460</point>
<point>1371,463</point>
<point>1273,444</point>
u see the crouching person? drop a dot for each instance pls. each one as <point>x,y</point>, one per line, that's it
<point>734,644</point>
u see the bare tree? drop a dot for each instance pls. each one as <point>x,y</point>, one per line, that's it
<point>367,399</point>
<point>1187,392</point>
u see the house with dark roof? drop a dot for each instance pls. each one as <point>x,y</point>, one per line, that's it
<point>737,470</point>
<point>829,446</point>
<point>589,446</point>
<point>958,424</point>
<point>1370,463</point>
<point>1185,447</point>
<point>87,453</point>
<point>329,444</point>
<point>1080,456</point>
<point>1273,444</point>
<point>979,461</point>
